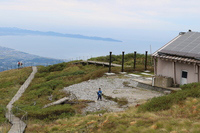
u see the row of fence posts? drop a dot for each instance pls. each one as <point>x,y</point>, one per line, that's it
<point>134,65</point>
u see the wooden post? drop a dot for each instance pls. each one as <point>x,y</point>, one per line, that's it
<point>135,59</point>
<point>109,71</point>
<point>123,61</point>
<point>145,65</point>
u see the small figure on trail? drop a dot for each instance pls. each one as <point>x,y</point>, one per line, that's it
<point>18,63</point>
<point>21,64</point>
<point>99,93</point>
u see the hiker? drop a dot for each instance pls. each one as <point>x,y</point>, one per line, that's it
<point>21,64</point>
<point>18,63</point>
<point>99,93</point>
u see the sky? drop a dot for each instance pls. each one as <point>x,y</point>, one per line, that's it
<point>127,20</point>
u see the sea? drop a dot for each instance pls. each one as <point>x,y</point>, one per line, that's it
<point>73,48</point>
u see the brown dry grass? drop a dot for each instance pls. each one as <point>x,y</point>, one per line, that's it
<point>180,118</point>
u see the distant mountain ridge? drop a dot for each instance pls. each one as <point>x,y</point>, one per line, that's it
<point>9,58</point>
<point>4,31</point>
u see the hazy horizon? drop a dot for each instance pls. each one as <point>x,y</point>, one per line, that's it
<point>68,48</point>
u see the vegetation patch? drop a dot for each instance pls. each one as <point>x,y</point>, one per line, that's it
<point>2,113</point>
<point>166,102</point>
<point>10,82</point>
<point>182,117</point>
<point>120,101</point>
<point>47,114</point>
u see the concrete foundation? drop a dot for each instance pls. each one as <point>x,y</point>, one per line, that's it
<point>161,81</point>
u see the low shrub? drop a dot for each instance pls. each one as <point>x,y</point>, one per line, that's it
<point>165,102</point>
<point>190,86</point>
<point>50,77</point>
<point>2,115</point>
<point>50,113</point>
<point>53,68</point>
<point>120,101</point>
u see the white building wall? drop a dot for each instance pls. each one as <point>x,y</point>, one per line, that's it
<point>190,68</point>
<point>165,68</point>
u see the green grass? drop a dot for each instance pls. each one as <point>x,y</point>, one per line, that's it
<point>51,80</point>
<point>176,112</point>
<point>2,114</point>
<point>166,102</point>
<point>10,82</point>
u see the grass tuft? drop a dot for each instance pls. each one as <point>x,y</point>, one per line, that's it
<point>120,101</point>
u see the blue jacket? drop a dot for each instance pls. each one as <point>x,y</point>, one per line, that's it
<point>99,93</point>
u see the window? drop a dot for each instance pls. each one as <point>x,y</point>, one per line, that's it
<point>184,74</point>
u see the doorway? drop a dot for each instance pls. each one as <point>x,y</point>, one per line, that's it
<point>184,76</point>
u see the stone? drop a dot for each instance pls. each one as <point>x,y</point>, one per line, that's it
<point>147,74</point>
<point>167,92</point>
<point>62,100</point>
<point>134,75</point>
<point>110,74</point>
<point>123,72</point>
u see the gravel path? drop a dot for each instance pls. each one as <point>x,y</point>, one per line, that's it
<point>111,86</point>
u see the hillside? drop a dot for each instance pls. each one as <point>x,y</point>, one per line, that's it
<point>173,113</point>
<point>49,81</point>
<point>10,57</point>
<point>176,112</point>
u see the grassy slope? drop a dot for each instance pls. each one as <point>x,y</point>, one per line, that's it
<point>49,81</point>
<point>10,82</point>
<point>181,115</point>
<point>177,112</point>
<point>179,118</point>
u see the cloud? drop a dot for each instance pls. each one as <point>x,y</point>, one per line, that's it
<point>104,13</point>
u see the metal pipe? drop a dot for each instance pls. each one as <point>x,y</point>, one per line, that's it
<point>123,61</point>
<point>135,59</point>
<point>145,65</point>
<point>109,71</point>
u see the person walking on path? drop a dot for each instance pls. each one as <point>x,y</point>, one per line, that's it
<point>18,64</point>
<point>99,93</point>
